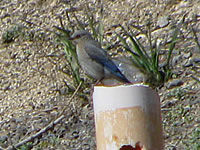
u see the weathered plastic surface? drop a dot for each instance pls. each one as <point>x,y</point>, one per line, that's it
<point>127,117</point>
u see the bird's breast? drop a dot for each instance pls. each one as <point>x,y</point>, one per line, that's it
<point>91,67</point>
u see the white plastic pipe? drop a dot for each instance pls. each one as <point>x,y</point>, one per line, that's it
<point>127,117</point>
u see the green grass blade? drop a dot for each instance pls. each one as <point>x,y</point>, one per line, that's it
<point>172,46</point>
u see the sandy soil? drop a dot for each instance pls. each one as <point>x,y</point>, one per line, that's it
<point>34,72</point>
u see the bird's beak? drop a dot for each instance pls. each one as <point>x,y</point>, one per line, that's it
<point>72,39</point>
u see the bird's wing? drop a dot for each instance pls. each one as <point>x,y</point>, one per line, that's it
<point>100,56</point>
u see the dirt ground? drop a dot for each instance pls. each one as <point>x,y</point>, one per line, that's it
<point>35,79</point>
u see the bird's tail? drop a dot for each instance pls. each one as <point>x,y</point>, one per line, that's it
<point>122,77</point>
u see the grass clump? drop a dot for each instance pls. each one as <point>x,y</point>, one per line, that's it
<point>12,33</point>
<point>70,54</point>
<point>96,27</point>
<point>147,61</point>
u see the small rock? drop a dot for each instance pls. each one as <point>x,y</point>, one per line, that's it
<point>19,119</point>
<point>187,55</point>
<point>175,83</point>
<point>75,134</point>
<point>196,60</point>
<point>3,141</point>
<point>163,21</point>
<point>85,146</point>
<point>64,90</point>
<point>3,138</point>
<point>21,130</point>
<point>188,63</point>
<point>176,59</point>
<point>183,4</point>
<point>196,49</point>
<point>54,113</point>
<point>169,104</point>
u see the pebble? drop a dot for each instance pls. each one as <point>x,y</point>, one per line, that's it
<point>187,55</point>
<point>196,60</point>
<point>3,138</point>
<point>163,21</point>
<point>21,130</point>
<point>176,59</point>
<point>174,83</point>
<point>187,63</point>
<point>169,103</point>
<point>64,90</point>
<point>190,62</point>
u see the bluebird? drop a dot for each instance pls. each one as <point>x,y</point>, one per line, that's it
<point>93,59</point>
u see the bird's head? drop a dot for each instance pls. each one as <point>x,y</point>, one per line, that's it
<point>80,36</point>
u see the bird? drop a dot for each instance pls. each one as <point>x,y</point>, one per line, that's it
<point>93,59</point>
